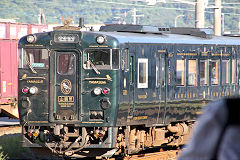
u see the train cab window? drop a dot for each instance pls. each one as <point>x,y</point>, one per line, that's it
<point>192,72</point>
<point>215,72</point>
<point>66,64</point>
<point>234,71</point>
<point>101,58</point>
<point>225,71</point>
<point>180,72</point>
<point>142,73</point>
<point>204,72</point>
<point>36,58</point>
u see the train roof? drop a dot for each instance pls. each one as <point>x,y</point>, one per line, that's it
<point>176,36</point>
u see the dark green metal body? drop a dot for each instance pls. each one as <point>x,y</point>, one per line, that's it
<point>160,103</point>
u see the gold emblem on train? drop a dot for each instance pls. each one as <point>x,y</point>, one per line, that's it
<point>66,86</point>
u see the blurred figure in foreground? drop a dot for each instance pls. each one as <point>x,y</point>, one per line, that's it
<point>217,133</point>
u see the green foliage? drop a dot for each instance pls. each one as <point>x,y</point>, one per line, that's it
<point>2,156</point>
<point>101,11</point>
<point>10,148</point>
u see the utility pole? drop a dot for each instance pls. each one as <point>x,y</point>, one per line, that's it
<point>199,14</point>
<point>217,17</point>
<point>41,17</point>
<point>135,16</point>
<point>239,25</point>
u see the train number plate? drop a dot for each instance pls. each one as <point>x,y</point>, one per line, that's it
<point>65,98</point>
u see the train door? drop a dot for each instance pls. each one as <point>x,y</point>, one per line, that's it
<point>131,85</point>
<point>160,86</point>
<point>64,106</point>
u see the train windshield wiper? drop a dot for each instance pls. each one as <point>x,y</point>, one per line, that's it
<point>30,64</point>
<point>94,67</point>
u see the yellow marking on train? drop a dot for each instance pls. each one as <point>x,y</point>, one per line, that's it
<point>140,117</point>
<point>93,46</point>
<point>186,54</point>
<point>154,94</point>
<point>162,51</point>
<point>102,46</point>
<point>124,92</point>
<point>92,122</point>
<point>143,96</point>
<point>35,45</point>
<point>34,81</point>
<point>97,82</point>
<point>219,54</point>
<point>38,122</point>
<point>98,46</point>
<point>204,54</point>
<point>65,98</point>
<point>108,77</point>
<point>66,104</point>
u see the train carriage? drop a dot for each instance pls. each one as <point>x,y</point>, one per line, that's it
<point>122,89</point>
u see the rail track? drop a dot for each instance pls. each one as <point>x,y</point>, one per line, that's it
<point>153,154</point>
<point>162,155</point>
<point>9,126</point>
<point>13,129</point>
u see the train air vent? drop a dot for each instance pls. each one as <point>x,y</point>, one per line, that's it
<point>130,28</point>
<point>198,32</point>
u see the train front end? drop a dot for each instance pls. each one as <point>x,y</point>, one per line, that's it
<point>68,91</point>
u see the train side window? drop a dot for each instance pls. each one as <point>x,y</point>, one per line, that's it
<point>125,60</point>
<point>225,71</point>
<point>66,64</point>
<point>215,72</point>
<point>101,59</point>
<point>37,58</point>
<point>162,71</point>
<point>142,73</point>
<point>192,72</point>
<point>131,66</point>
<point>115,58</point>
<point>157,73</point>
<point>180,72</point>
<point>234,72</point>
<point>204,72</point>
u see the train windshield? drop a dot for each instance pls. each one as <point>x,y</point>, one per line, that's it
<point>101,58</point>
<point>33,58</point>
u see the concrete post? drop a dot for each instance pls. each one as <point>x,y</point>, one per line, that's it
<point>217,18</point>
<point>199,14</point>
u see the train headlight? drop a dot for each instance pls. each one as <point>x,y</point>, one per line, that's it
<point>97,91</point>
<point>106,91</point>
<point>33,90</point>
<point>100,39</point>
<point>31,38</point>
<point>25,90</point>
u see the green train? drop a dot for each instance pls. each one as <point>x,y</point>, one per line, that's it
<point>122,89</point>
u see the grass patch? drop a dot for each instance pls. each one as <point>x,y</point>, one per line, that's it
<point>2,156</point>
<point>10,148</point>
